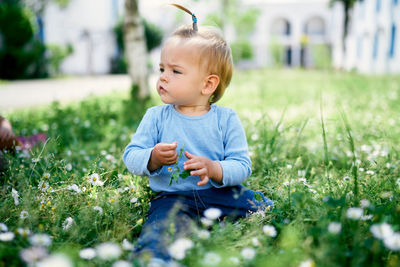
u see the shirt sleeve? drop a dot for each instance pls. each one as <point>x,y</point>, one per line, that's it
<point>236,166</point>
<point>137,153</point>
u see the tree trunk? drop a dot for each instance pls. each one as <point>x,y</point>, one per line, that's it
<point>135,49</point>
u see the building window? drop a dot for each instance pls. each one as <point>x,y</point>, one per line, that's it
<point>378,5</point>
<point>376,44</point>
<point>281,27</point>
<point>395,2</point>
<point>392,41</point>
<point>359,48</point>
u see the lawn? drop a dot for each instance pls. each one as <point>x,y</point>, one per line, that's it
<point>324,146</point>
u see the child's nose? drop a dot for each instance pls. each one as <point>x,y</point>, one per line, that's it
<point>163,77</point>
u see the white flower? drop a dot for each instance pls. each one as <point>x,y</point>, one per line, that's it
<point>206,222</point>
<point>302,180</point>
<point>301,173</point>
<point>354,213</point>
<point>286,183</point>
<point>334,227</point>
<point>346,178</point>
<point>75,188</point>
<point>42,240</point>
<point>126,245</point>
<point>99,209</point>
<point>34,160</point>
<point>7,236</point>
<point>234,260</point>
<point>398,182</point>
<point>366,217</point>
<point>211,258</point>
<point>95,179</point>
<point>24,214</point>
<point>312,190</point>
<point>369,172</point>
<point>3,227</point>
<point>87,253</point>
<point>212,213</point>
<point>122,264</point>
<point>255,241</point>
<point>269,230</point>
<point>131,188</point>
<point>381,231</point>
<point>68,167</point>
<point>133,200</point>
<point>24,231</point>
<point>203,234</point>
<point>43,186</point>
<point>393,242</point>
<point>67,223</point>
<point>364,203</point>
<point>108,251</point>
<point>33,254</point>
<point>307,263</point>
<point>178,248</point>
<point>248,253</point>
<point>14,194</point>
<point>289,166</point>
<point>46,175</point>
<point>58,260</point>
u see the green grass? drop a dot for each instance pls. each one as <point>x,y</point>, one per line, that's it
<point>321,126</point>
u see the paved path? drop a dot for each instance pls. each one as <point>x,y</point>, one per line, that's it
<point>20,94</point>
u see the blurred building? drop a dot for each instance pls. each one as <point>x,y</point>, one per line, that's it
<point>373,44</point>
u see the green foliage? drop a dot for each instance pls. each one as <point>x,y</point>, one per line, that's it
<point>241,50</point>
<point>57,55</point>
<point>276,50</point>
<point>321,56</point>
<point>293,142</point>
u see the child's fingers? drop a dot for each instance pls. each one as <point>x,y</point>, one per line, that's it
<point>193,165</point>
<point>204,181</point>
<point>168,146</point>
<point>188,155</point>
<point>199,172</point>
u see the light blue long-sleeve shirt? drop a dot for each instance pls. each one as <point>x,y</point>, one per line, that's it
<point>217,135</point>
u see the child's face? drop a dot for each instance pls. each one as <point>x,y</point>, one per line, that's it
<point>181,76</point>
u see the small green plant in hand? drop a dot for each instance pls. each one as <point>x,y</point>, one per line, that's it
<point>177,171</point>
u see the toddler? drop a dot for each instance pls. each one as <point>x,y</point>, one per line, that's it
<point>195,69</point>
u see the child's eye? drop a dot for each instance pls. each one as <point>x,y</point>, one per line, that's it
<point>177,72</point>
<point>161,69</point>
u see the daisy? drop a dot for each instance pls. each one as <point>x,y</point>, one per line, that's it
<point>334,227</point>
<point>248,253</point>
<point>134,200</point>
<point>95,179</point>
<point>43,240</point>
<point>211,258</point>
<point>212,213</point>
<point>3,227</point>
<point>269,230</point>
<point>14,194</point>
<point>33,254</point>
<point>121,263</point>
<point>307,263</point>
<point>24,214</point>
<point>7,236</point>
<point>178,248</point>
<point>126,245</point>
<point>60,260</point>
<point>364,203</point>
<point>46,175</point>
<point>67,223</point>
<point>346,178</point>
<point>108,251</point>
<point>234,260</point>
<point>381,231</point>
<point>87,253</point>
<point>23,232</point>
<point>68,167</point>
<point>354,213</point>
<point>393,242</point>
<point>43,186</point>
<point>203,234</point>
<point>75,188</point>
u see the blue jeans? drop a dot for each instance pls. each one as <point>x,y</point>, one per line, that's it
<point>182,207</point>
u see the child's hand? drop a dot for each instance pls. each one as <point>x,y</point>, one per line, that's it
<point>203,167</point>
<point>162,154</point>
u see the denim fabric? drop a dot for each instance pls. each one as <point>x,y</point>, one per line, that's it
<point>181,208</point>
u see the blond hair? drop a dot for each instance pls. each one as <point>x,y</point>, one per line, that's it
<point>214,54</point>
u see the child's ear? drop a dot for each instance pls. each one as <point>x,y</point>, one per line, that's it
<point>211,83</point>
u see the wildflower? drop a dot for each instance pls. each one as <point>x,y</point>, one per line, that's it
<point>42,240</point>
<point>269,230</point>
<point>234,260</point>
<point>366,217</point>
<point>130,188</point>
<point>212,213</point>
<point>289,166</point>
<point>87,253</point>
<point>43,186</point>
<point>24,214</point>
<point>23,232</point>
<point>14,194</point>
<point>334,227</point>
<point>286,183</point>
<point>34,160</point>
<point>392,242</point>
<point>364,203</point>
<point>134,200</point>
<point>68,167</point>
<point>126,245</point>
<point>33,254</point>
<point>75,188</point>
<point>302,180</point>
<point>248,253</point>
<point>398,182</point>
<point>307,263</point>
<point>354,213</point>
<point>312,190</point>
<point>3,227</point>
<point>121,263</point>
<point>211,258</point>
<point>203,234</point>
<point>369,172</point>
<point>99,209</point>
<point>381,231</point>
<point>46,175</point>
<point>95,179</point>
<point>301,173</point>
<point>7,236</point>
<point>346,178</point>
<point>58,260</point>
<point>108,251</point>
<point>178,248</point>
<point>67,223</point>
<point>206,222</point>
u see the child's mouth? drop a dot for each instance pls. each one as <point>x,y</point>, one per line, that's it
<point>162,90</point>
